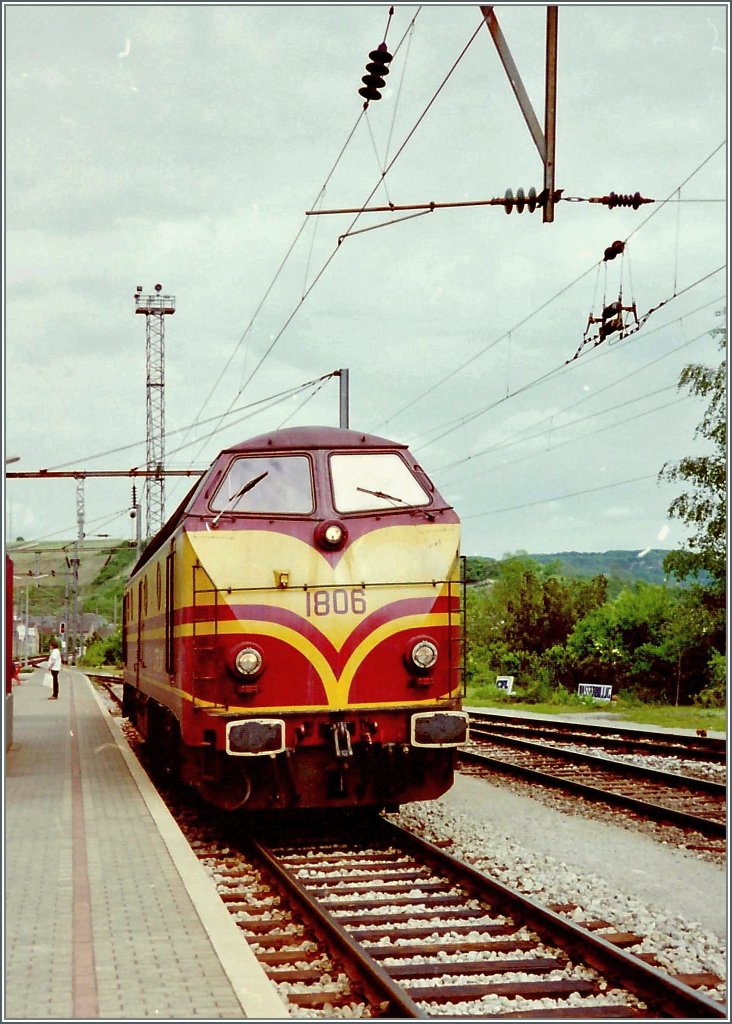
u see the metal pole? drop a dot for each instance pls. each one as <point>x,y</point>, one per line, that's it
<point>514,79</point>
<point>550,111</point>
<point>64,639</point>
<point>138,529</point>
<point>343,399</point>
<point>25,637</point>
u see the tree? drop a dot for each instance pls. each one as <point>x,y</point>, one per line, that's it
<point>703,506</point>
<point>621,643</point>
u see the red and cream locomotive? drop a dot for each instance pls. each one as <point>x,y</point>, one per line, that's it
<point>293,636</point>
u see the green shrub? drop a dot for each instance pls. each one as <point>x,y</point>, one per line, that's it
<point>107,651</point>
<point>714,695</point>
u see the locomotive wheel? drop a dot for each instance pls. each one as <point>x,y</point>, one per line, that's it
<point>229,794</point>
<point>128,702</point>
<point>163,741</point>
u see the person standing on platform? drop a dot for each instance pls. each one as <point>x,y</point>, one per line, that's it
<point>54,667</point>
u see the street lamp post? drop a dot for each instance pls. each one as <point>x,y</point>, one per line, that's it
<point>25,634</point>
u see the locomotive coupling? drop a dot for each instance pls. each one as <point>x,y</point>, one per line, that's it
<point>342,740</point>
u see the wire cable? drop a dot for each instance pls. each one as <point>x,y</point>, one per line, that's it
<point>576,440</point>
<point>587,398</point>
<point>530,316</point>
<point>330,258</point>
<point>463,421</point>
<point>138,444</point>
<point>560,497</point>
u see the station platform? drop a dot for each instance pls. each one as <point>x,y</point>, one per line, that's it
<point>108,913</point>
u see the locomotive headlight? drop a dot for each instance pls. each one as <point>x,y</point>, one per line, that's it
<point>333,534</point>
<point>248,661</point>
<point>424,655</point>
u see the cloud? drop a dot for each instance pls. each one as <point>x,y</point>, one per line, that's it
<point>127,49</point>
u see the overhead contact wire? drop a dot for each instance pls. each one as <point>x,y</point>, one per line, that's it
<point>487,348</point>
<point>284,261</point>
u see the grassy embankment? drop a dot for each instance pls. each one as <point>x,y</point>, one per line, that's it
<point>617,711</point>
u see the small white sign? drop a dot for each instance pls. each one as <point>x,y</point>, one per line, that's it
<point>505,683</point>
<point>598,691</point>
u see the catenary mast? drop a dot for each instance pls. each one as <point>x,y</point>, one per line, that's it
<point>155,308</point>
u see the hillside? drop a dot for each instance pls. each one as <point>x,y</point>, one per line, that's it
<point>45,571</point>
<point>624,566</point>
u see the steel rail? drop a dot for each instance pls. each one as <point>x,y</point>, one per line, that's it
<point>671,779</point>
<point>689,746</point>
<point>380,986</point>
<point>649,983</point>
<point>655,812</point>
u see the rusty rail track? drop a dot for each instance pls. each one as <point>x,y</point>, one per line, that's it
<point>433,935</point>
<point>636,741</point>
<point>112,684</point>
<point>684,801</point>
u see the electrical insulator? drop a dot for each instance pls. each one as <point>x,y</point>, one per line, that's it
<point>614,200</point>
<point>377,71</point>
<point>612,319</point>
<point>614,250</point>
<point>521,200</point>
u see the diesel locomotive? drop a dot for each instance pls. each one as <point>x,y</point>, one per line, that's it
<point>293,637</point>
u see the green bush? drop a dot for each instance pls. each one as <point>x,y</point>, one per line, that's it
<point>714,695</point>
<point>107,651</point>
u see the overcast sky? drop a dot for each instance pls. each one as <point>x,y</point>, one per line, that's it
<point>184,144</point>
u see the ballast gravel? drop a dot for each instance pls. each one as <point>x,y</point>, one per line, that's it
<point>674,899</point>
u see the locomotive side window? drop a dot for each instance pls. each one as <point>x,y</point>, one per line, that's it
<point>266,484</point>
<point>373,482</point>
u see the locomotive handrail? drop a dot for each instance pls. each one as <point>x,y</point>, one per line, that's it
<point>326,586</point>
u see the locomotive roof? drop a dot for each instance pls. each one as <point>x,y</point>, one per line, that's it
<point>313,437</point>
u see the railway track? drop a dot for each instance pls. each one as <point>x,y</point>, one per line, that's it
<point>610,738</point>
<point>367,920</point>
<point>111,684</point>
<point>687,802</point>
<point>371,920</point>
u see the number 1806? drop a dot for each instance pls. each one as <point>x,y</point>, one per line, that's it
<point>337,602</point>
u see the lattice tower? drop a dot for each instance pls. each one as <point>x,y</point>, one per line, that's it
<point>155,308</point>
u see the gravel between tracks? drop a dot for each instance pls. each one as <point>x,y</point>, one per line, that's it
<point>673,898</point>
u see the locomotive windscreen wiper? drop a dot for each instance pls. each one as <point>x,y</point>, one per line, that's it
<point>383,494</point>
<point>228,507</point>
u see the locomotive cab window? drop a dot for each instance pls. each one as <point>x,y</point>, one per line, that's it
<point>266,485</point>
<point>374,482</point>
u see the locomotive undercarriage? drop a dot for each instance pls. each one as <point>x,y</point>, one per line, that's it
<point>346,767</point>
<point>373,775</point>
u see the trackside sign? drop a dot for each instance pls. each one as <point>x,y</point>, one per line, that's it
<point>598,691</point>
